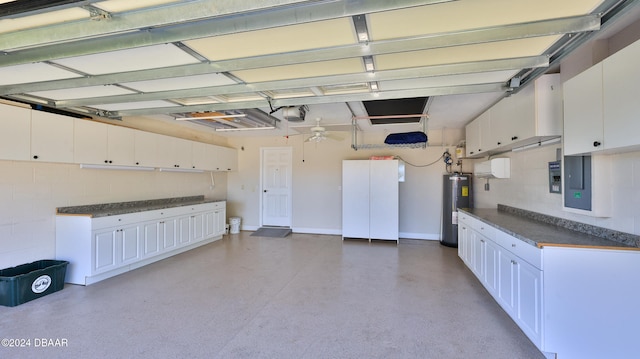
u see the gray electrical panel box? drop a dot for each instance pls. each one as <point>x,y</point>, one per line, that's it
<point>577,182</point>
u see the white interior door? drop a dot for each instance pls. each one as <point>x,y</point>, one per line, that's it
<point>276,176</point>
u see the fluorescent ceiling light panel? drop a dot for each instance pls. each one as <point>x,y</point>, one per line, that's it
<point>312,69</point>
<point>180,83</point>
<point>141,58</point>
<point>468,53</point>
<point>335,32</point>
<point>196,101</point>
<point>465,15</point>
<point>244,129</point>
<point>82,92</point>
<point>51,18</point>
<point>28,73</point>
<point>452,80</point>
<point>133,105</point>
<point>210,117</point>
<point>127,5</point>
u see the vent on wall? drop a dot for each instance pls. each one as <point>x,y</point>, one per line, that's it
<point>400,107</point>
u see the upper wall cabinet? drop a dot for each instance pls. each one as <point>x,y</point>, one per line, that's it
<point>601,107</point>
<point>51,137</point>
<point>583,121</point>
<point>15,136</point>
<point>26,135</point>
<point>620,79</point>
<point>99,143</point>
<point>532,115</point>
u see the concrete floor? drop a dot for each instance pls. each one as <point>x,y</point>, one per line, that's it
<point>304,296</point>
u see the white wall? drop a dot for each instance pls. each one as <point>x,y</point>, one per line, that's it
<point>30,193</point>
<point>528,188</point>
<point>317,177</point>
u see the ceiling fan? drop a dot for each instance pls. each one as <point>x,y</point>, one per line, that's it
<point>319,133</point>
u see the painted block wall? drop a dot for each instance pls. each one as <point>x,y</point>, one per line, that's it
<point>528,189</point>
<point>317,177</point>
<point>30,193</point>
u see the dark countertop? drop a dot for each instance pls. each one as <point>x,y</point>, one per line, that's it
<point>536,231</point>
<point>118,208</point>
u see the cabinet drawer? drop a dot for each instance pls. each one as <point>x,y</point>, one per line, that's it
<point>481,227</point>
<point>118,220</point>
<point>526,251</point>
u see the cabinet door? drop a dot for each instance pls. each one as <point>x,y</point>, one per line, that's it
<point>198,227</point>
<point>479,244</point>
<point>183,230</point>
<point>529,295</point>
<point>463,235</point>
<point>200,156</point>
<point>487,141</point>
<point>383,200</point>
<point>221,220</point>
<point>223,158</point>
<point>121,145</point>
<point>90,142</point>
<point>521,124</point>
<point>472,134</point>
<point>51,137</point>
<point>507,293</point>
<point>169,233</point>
<point>130,242</point>
<point>502,118</point>
<point>583,112</point>
<point>104,250</point>
<point>151,236</point>
<point>355,199</point>
<point>491,267</point>
<point>145,149</point>
<point>621,106</point>
<point>15,133</point>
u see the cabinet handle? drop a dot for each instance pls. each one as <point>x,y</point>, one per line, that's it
<point>499,143</point>
<point>514,138</point>
<point>482,241</point>
<point>35,157</point>
<point>513,262</point>
<point>513,245</point>
<point>137,163</point>
<point>479,149</point>
<point>596,143</point>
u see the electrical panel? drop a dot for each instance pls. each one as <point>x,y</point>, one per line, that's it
<point>577,183</point>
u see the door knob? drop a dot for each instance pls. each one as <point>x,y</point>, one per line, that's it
<point>265,191</point>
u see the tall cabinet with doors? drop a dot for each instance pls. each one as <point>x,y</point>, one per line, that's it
<point>370,196</point>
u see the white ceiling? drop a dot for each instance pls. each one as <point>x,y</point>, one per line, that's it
<point>165,59</point>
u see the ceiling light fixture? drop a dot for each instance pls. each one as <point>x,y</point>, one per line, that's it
<point>216,117</point>
<point>244,129</point>
<point>373,85</point>
<point>360,24</point>
<point>368,63</point>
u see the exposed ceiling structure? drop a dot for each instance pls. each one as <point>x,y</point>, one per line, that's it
<point>228,65</point>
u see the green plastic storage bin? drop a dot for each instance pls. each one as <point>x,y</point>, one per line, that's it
<point>30,281</point>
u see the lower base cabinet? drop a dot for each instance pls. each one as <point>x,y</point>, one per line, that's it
<point>572,303</point>
<point>99,248</point>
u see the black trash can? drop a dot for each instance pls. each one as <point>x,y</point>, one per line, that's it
<point>30,281</point>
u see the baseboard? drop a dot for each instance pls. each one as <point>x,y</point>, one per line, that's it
<point>336,232</point>
<point>425,236</point>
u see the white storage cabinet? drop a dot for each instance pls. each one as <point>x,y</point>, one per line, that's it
<point>370,194</point>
